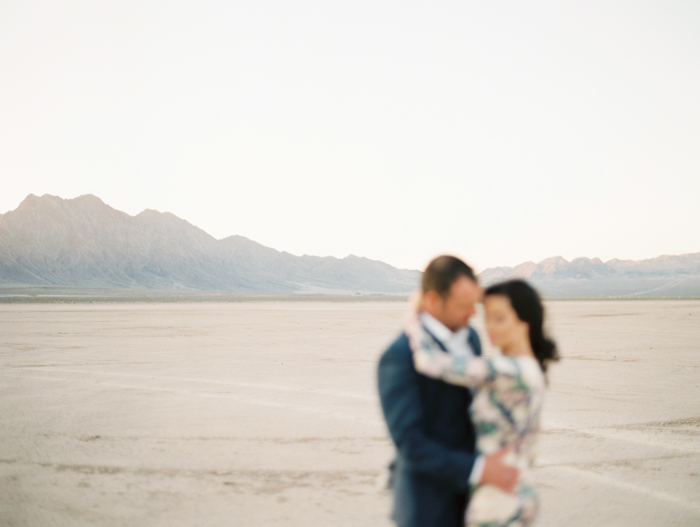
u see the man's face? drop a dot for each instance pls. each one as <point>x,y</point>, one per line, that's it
<point>458,307</point>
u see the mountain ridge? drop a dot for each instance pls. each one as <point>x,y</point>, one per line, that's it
<point>84,242</point>
<point>581,267</point>
<point>666,276</point>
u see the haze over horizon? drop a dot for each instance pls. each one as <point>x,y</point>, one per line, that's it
<point>502,133</point>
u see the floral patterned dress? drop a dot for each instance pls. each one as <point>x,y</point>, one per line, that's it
<point>507,395</point>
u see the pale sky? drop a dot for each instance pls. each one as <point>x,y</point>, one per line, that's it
<point>499,131</point>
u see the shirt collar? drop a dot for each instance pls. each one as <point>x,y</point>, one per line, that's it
<point>439,330</point>
<point>456,342</point>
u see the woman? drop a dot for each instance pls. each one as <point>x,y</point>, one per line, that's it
<point>507,392</point>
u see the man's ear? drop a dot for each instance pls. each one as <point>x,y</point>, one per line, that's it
<point>430,301</point>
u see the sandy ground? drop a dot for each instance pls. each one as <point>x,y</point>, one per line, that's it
<point>257,414</point>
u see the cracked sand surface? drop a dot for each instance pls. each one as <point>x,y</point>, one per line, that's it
<point>266,414</point>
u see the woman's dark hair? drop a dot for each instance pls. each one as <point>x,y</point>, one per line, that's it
<point>528,306</point>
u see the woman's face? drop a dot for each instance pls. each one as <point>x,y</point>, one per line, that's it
<point>503,326</point>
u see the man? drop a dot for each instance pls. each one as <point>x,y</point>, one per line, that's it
<point>427,419</point>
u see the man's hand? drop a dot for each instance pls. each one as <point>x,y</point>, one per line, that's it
<point>497,473</point>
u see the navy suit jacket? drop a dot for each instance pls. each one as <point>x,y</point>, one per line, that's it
<point>434,438</point>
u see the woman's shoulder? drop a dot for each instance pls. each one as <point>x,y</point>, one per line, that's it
<point>524,368</point>
<point>531,371</point>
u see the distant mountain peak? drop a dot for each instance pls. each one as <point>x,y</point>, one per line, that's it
<point>32,200</point>
<point>158,214</point>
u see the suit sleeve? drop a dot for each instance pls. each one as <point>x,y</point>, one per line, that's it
<point>403,410</point>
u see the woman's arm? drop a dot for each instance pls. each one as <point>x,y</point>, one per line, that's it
<point>471,371</point>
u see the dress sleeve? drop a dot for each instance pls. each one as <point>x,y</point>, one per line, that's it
<point>470,371</point>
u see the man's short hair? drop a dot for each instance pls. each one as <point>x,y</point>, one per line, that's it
<point>442,272</point>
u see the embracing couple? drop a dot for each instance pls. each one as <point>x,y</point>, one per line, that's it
<point>464,426</point>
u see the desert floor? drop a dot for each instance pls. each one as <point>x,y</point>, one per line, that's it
<point>266,414</point>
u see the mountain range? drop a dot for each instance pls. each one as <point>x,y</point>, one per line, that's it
<point>84,243</point>
<point>665,276</point>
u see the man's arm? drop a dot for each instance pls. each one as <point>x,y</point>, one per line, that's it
<point>401,402</point>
